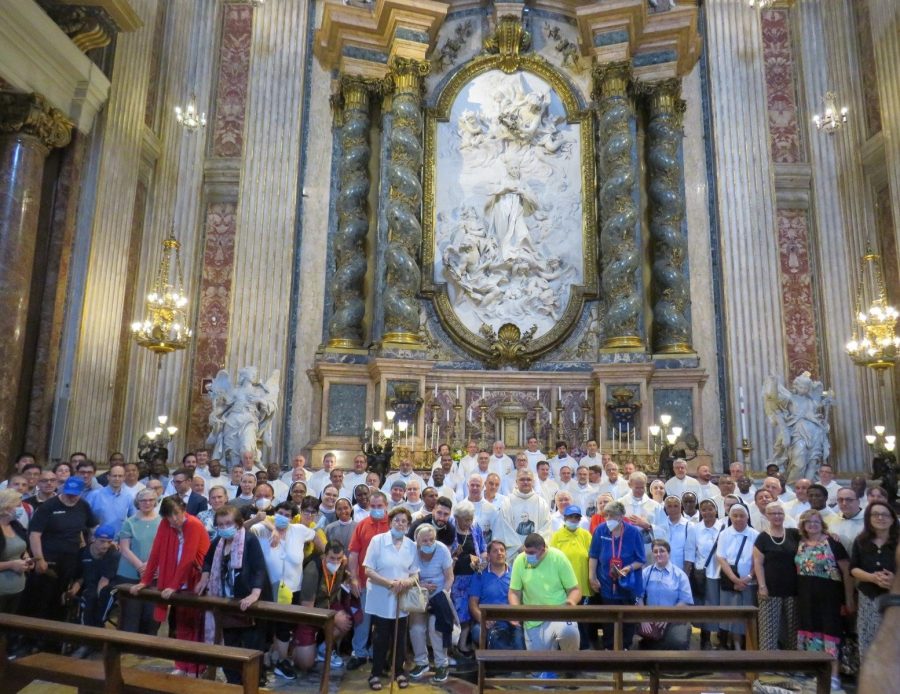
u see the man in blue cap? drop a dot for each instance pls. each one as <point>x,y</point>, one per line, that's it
<point>97,566</point>
<point>55,537</point>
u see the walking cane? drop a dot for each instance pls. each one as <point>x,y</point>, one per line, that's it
<point>394,648</point>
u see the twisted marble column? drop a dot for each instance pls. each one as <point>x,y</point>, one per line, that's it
<point>29,128</point>
<point>349,242</point>
<point>401,309</point>
<point>619,243</point>
<point>671,290</point>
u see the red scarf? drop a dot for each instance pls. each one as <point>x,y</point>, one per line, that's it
<point>162,561</point>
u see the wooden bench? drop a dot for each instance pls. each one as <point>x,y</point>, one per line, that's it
<point>618,616</point>
<point>108,675</point>
<point>654,663</point>
<point>268,611</point>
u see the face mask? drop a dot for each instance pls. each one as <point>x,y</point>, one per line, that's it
<point>227,533</point>
<point>397,534</point>
<point>531,559</point>
<point>612,524</point>
<point>262,503</point>
<point>377,513</point>
<point>428,549</point>
<point>332,566</point>
<point>572,525</point>
<point>281,522</point>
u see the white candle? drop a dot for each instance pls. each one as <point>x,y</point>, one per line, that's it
<point>585,394</point>
<point>482,392</point>
<point>559,392</point>
<point>648,439</point>
<point>448,416</point>
<point>538,392</point>
<point>573,418</point>
<point>743,408</point>
<point>457,392</point>
<point>435,390</point>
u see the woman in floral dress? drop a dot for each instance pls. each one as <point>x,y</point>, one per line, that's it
<point>823,588</point>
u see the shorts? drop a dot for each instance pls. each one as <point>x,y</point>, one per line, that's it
<point>308,635</point>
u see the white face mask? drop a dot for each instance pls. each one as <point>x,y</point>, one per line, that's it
<point>612,524</point>
<point>332,566</point>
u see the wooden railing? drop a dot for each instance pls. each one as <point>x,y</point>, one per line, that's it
<point>268,611</point>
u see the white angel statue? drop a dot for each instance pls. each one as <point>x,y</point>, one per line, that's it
<point>801,415</point>
<point>241,416</point>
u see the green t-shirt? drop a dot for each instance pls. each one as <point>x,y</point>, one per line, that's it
<point>547,583</point>
<point>141,533</point>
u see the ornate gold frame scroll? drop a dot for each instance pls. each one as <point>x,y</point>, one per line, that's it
<point>510,61</point>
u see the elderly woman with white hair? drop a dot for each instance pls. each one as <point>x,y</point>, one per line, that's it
<point>435,575</point>
<point>737,584</point>
<point>15,563</point>
<point>469,555</point>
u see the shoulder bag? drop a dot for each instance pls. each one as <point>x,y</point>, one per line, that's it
<point>726,583</point>
<point>414,599</point>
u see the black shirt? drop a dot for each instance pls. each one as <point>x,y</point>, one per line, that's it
<point>870,558</point>
<point>61,526</point>
<point>447,534</point>
<point>779,567</point>
<point>91,569</point>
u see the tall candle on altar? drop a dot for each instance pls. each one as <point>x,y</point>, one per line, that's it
<point>743,409</point>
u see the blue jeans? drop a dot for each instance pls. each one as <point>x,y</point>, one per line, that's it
<point>361,647</point>
<point>502,636</point>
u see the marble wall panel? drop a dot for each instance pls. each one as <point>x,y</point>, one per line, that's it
<point>677,402</point>
<point>346,409</point>
<point>868,71</point>
<point>797,293</point>
<point>781,93</point>
<point>232,80</point>
<point>213,313</point>
<point>156,57</point>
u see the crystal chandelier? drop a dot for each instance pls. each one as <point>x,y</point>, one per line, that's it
<point>833,118</point>
<point>761,4</point>
<point>165,328</point>
<point>874,343</point>
<point>190,117</point>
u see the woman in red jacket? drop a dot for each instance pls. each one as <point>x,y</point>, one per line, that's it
<point>176,560</point>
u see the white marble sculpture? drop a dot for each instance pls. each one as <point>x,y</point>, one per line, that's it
<point>509,221</point>
<point>801,416</point>
<point>241,417</point>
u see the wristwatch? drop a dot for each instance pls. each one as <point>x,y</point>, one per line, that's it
<point>883,602</point>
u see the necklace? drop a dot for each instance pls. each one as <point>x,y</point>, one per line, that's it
<point>783,537</point>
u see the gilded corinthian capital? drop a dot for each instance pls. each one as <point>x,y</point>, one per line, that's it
<point>407,75</point>
<point>31,114</point>
<point>611,79</point>
<point>664,98</point>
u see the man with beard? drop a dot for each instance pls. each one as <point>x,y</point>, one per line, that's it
<point>440,519</point>
<point>522,513</point>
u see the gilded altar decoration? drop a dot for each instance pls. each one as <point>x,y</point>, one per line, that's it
<point>508,345</point>
<point>32,114</point>
<point>508,205</point>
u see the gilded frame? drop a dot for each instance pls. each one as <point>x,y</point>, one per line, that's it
<point>437,292</point>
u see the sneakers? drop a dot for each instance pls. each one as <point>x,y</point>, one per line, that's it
<point>836,684</point>
<point>82,652</point>
<point>356,662</point>
<point>441,674</point>
<point>546,676</point>
<point>419,671</point>
<point>285,670</point>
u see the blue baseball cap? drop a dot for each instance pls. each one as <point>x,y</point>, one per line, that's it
<point>572,511</point>
<point>73,486</point>
<point>105,532</point>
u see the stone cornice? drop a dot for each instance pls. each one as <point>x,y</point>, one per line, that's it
<point>92,23</point>
<point>30,114</point>
<point>363,41</point>
<point>38,57</point>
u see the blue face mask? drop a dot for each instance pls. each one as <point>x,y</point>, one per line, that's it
<point>572,525</point>
<point>281,522</point>
<point>531,559</point>
<point>397,534</point>
<point>227,533</point>
<point>377,513</point>
<point>428,549</point>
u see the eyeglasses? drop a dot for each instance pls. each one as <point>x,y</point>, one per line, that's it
<point>880,515</point>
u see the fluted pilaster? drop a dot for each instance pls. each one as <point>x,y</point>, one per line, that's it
<point>619,237</point>
<point>671,289</point>
<point>401,309</point>
<point>349,242</point>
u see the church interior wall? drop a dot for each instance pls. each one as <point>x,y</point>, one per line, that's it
<point>268,203</point>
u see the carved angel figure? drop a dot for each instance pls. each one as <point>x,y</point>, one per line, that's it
<point>241,417</point>
<point>801,415</point>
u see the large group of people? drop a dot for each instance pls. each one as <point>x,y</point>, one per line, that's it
<point>484,528</point>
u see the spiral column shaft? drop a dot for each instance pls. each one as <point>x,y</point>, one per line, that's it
<point>345,329</point>
<point>671,289</point>
<point>401,308</point>
<point>619,242</point>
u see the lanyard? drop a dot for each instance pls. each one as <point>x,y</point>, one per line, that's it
<point>621,540</point>
<point>328,584</point>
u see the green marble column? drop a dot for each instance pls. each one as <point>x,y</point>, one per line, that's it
<point>345,329</point>
<point>620,247</point>
<point>401,308</point>
<point>671,288</point>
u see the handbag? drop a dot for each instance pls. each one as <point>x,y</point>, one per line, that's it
<point>414,599</point>
<point>653,631</point>
<point>726,583</point>
<point>698,576</point>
